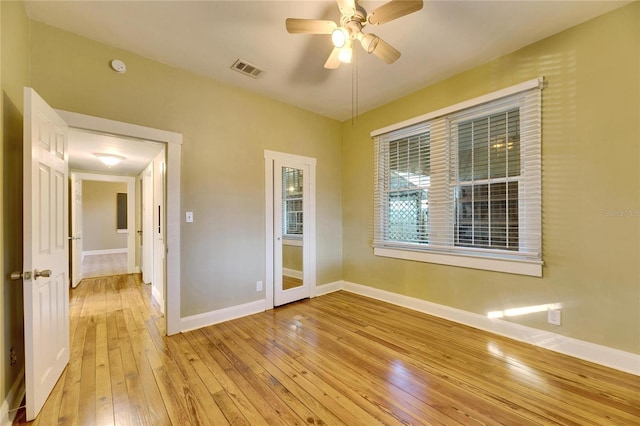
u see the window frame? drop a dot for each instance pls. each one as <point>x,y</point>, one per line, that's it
<point>441,249</point>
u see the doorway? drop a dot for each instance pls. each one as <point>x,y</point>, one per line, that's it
<point>290,228</point>
<point>173,147</point>
<point>104,237</point>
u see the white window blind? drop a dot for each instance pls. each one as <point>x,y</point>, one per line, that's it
<point>465,182</point>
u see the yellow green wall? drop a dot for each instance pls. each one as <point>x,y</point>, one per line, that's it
<point>591,162</point>
<point>99,215</point>
<point>226,131</point>
<point>14,73</point>
<point>292,257</point>
<point>591,165</point>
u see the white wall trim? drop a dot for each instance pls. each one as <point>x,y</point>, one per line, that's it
<point>609,357</point>
<point>8,410</point>
<point>292,273</point>
<point>158,297</point>
<point>510,266</point>
<point>221,315</point>
<point>327,288</point>
<point>174,153</point>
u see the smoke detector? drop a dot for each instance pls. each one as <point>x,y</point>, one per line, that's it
<point>118,66</point>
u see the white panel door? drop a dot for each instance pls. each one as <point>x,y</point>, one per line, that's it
<point>147,224</point>
<point>46,256</point>
<point>76,230</point>
<point>157,286</point>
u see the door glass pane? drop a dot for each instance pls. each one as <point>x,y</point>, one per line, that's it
<point>292,227</point>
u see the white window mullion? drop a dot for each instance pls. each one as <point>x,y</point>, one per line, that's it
<point>438,199</point>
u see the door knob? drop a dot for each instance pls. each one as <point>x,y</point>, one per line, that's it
<point>18,275</point>
<point>46,273</point>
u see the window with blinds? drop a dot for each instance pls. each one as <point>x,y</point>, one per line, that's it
<point>466,180</point>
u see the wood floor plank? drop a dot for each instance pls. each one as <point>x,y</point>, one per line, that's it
<point>277,404</point>
<point>137,405</point>
<point>232,381</point>
<point>483,368</point>
<point>144,354</point>
<point>69,403</point>
<point>277,372</point>
<point>336,359</point>
<point>87,397</point>
<point>185,358</point>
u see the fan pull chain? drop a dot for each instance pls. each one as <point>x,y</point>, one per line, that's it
<point>354,87</point>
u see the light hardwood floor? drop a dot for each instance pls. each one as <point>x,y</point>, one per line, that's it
<point>336,359</point>
<point>100,265</point>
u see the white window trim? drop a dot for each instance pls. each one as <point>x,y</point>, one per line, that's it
<point>513,266</point>
<point>520,267</point>
<point>512,90</point>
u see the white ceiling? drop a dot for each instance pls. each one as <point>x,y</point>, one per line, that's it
<point>84,145</point>
<point>206,37</point>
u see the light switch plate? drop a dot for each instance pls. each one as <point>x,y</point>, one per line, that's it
<point>189,217</point>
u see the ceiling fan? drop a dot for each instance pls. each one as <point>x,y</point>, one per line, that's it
<point>354,19</point>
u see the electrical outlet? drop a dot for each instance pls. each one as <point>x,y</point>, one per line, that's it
<point>13,357</point>
<point>554,316</point>
<point>259,286</point>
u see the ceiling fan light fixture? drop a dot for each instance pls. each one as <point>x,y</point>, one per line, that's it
<point>109,159</point>
<point>346,53</point>
<point>339,37</point>
<point>369,42</point>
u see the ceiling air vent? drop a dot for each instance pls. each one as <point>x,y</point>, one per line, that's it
<point>246,68</point>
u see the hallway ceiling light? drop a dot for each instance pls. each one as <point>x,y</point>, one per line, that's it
<point>109,159</point>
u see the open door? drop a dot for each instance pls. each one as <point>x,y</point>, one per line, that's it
<point>76,230</point>
<point>46,255</point>
<point>159,225</point>
<point>147,224</point>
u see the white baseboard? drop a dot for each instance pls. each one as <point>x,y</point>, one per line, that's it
<point>292,273</point>
<point>12,401</point>
<point>328,288</point>
<point>603,355</point>
<point>214,317</point>
<point>107,251</point>
<point>158,297</point>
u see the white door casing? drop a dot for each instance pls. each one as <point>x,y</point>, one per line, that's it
<point>76,230</point>
<point>46,228</point>
<point>274,293</point>
<point>173,143</point>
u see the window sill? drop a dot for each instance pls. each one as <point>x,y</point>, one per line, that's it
<point>122,231</point>
<point>520,267</point>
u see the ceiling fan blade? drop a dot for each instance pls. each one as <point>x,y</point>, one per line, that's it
<point>386,52</point>
<point>334,59</point>
<point>393,10</point>
<point>310,26</point>
<point>347,7</point>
